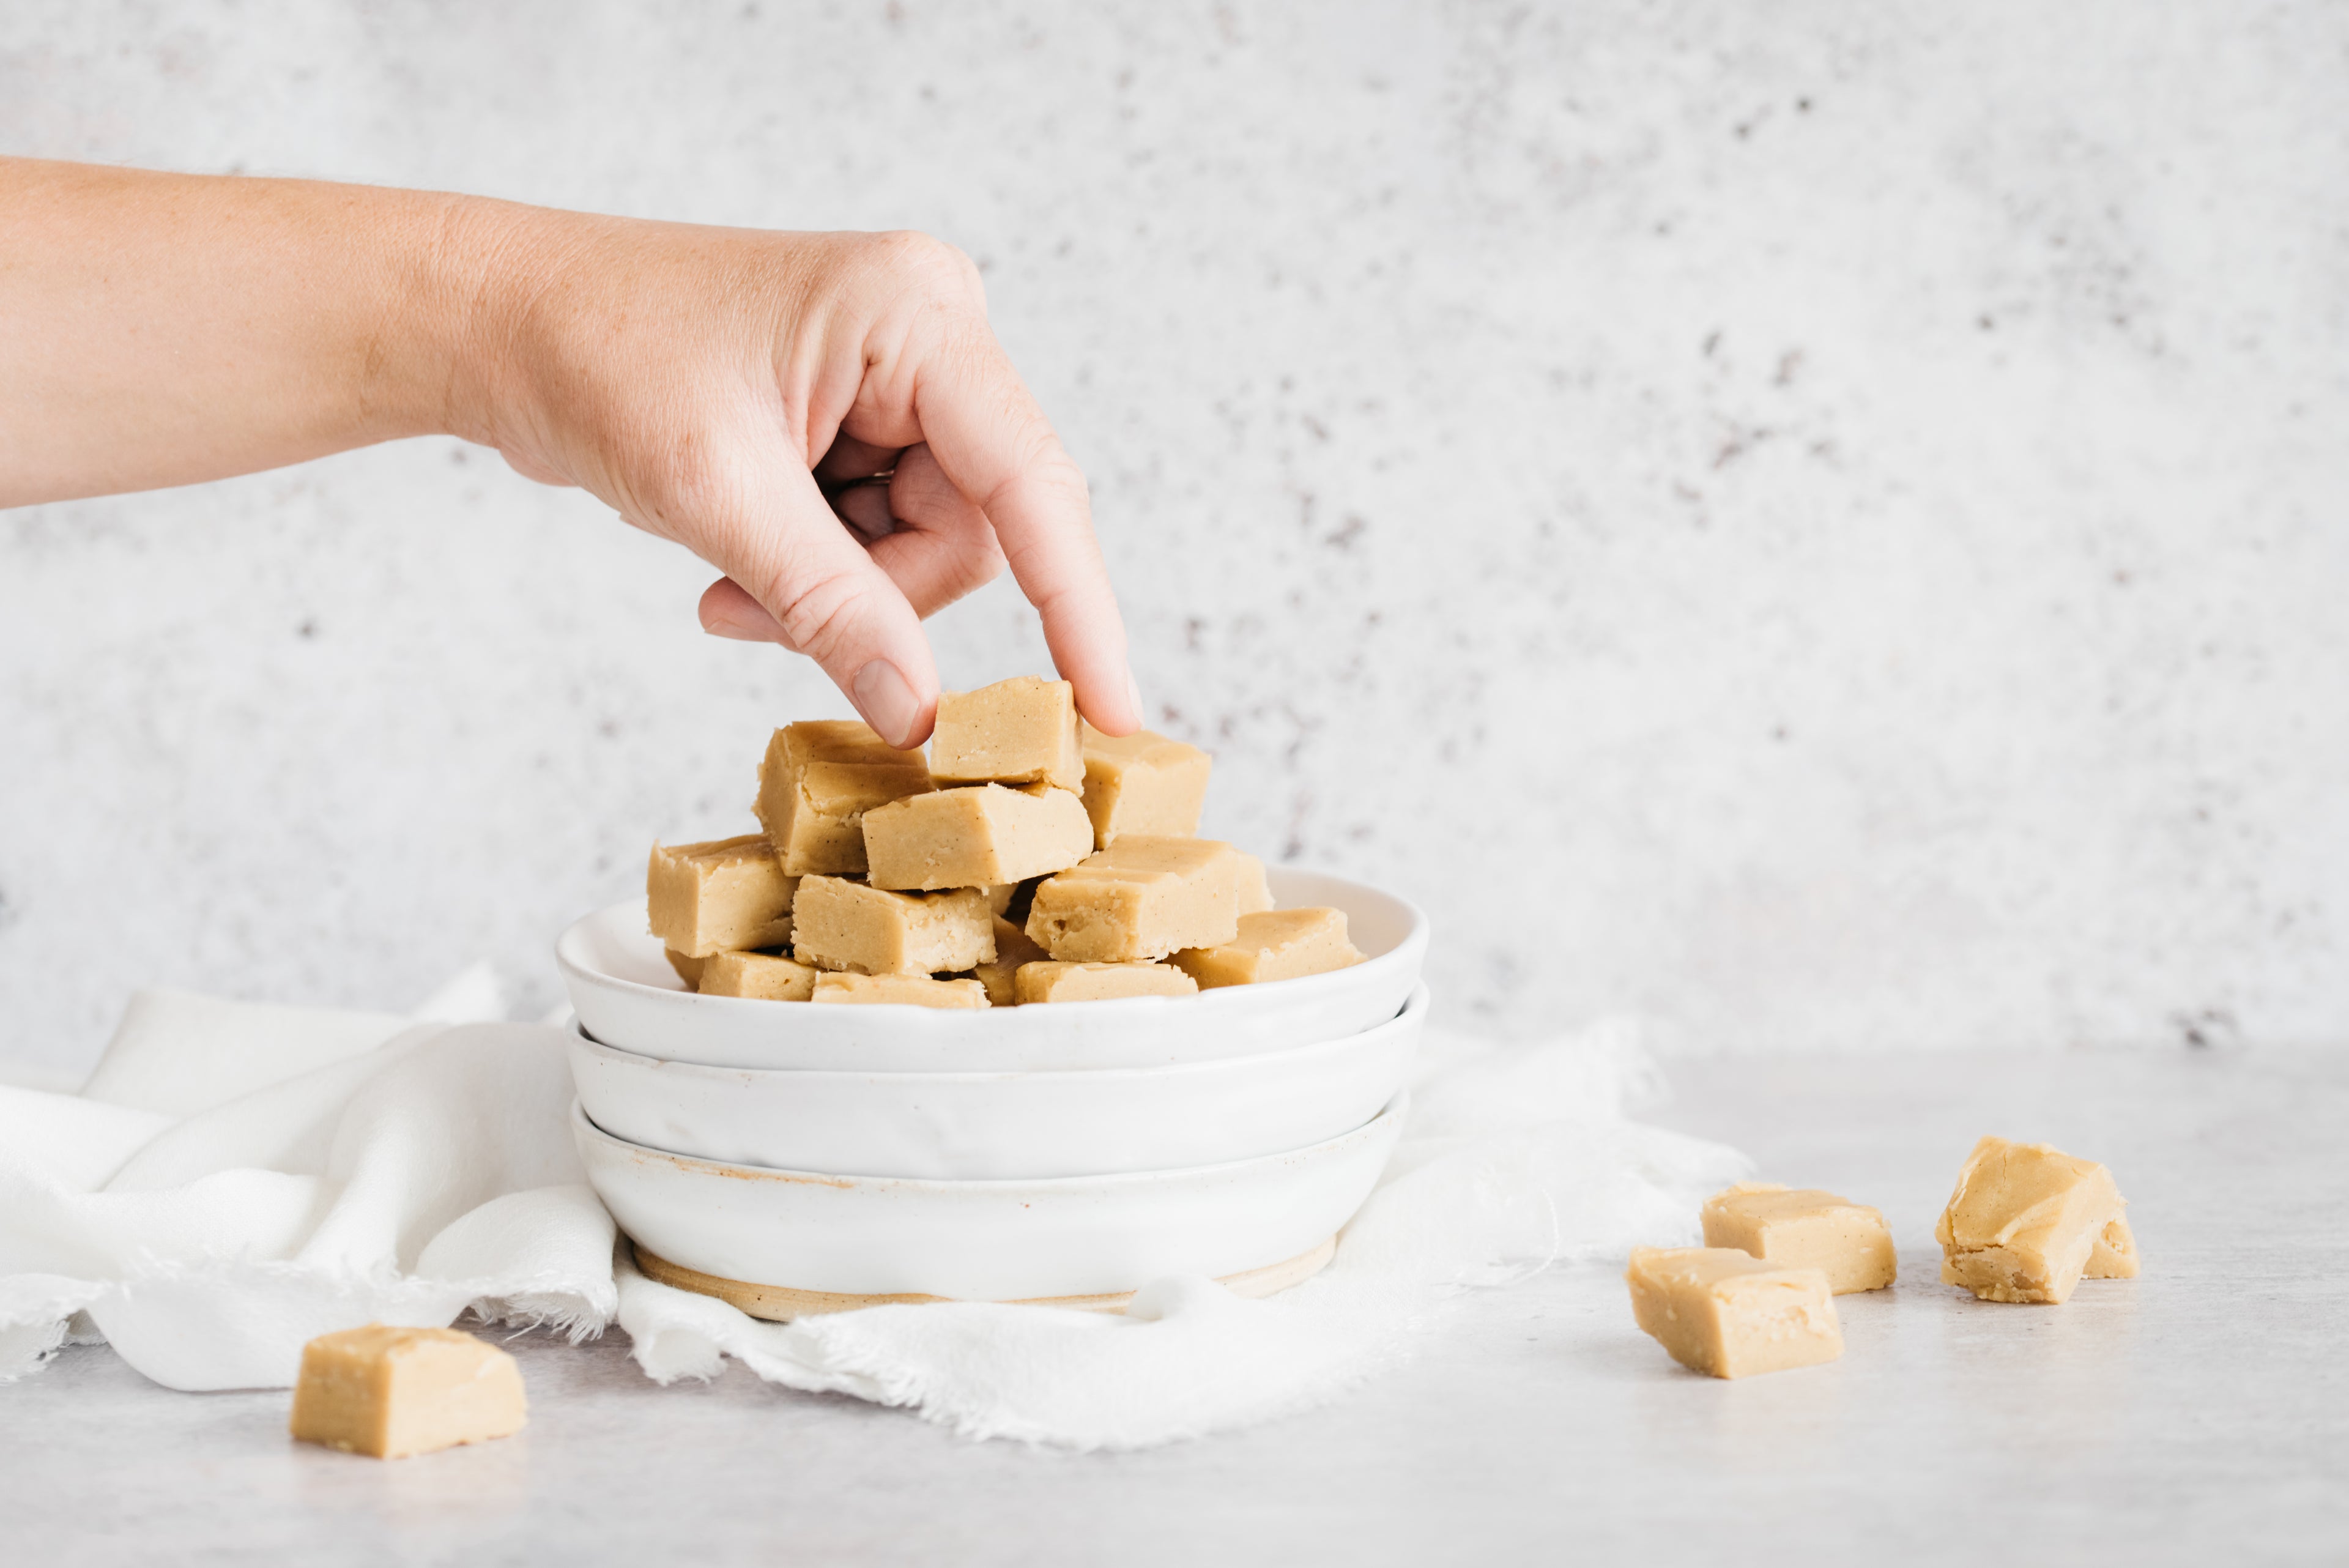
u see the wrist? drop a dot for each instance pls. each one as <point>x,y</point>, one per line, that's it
<point>474,265</point>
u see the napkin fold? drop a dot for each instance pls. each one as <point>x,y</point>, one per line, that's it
<point>236,1179</point>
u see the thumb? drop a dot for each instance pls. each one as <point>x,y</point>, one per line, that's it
<point>784,547</point>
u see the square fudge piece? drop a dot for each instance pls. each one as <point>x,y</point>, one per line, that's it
<point>1725,1314</point>
<point>391,1392</point>
<point>1804,1228</point>
<point>1255,892</point>
<point>1143,897</point>
<point>1021,731</point>
<point>1273,944</point>
<point>1142,784</point>
<point>904,990</point>
<point>839,924</point>
<point>975,837</point>
<point>819,779</point>
<point>2026,1221</point>
<point>1053,981</point>
<point>704,898</point>
<point>768,977</point>
<point>999,975</point>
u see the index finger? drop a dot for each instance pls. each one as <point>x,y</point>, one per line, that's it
<point>995,444</point>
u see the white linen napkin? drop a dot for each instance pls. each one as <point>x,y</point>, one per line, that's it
<point>236,1178</point>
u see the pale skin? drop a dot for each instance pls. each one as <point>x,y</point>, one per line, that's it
<point>715,387</point>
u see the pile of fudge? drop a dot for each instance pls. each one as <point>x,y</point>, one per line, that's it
<point>1027,858</point>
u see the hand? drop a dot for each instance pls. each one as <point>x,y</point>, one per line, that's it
<point>711,385</point>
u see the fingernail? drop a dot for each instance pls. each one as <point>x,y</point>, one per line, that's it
<point>1133,695</point>
<point>886,700</point>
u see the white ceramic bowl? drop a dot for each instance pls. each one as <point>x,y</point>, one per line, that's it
<point>627,996</point>
<point>983,1241</point>
<point>992,1126</point>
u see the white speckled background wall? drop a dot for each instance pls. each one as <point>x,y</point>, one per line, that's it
<point>1823,526</point>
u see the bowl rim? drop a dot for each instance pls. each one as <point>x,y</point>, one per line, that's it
<point>1396,1110</point>
<point>1410,950</point>
<point>1413,1012</point>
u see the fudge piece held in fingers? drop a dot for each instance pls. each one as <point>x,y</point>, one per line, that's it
<point>718,897</point>
<point>391,1392</point>
<point>1142,784</point>
<point>837,924</point>
<point>1143,897</point>
<point>974,836</point>
<point>818,780</point>
<point>2026,1221</point>
<point>1728,1314</point>
<point>1020,730</point>
<point>1273,944</point>
<point>1804,1228</point>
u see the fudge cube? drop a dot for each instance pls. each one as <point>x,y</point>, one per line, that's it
<point>729,893</point>
<point>391,1392</point>
<point>903,990</point>
<point>1054,982</point>
<point>818,780</point>
<point>1145,896</point>
<point>1255,892</point>
<point>1724,1313</point>
<point>974,836</point>
<point>999,974</point>
<point>1021,731</point>
<point>688,968</point>
<point>1142,784</point>
<point>768,977</point>
<point>837,924</point>
<point>2026,1221</point>
<point>1275,944</point>
<point>1804,1228</point>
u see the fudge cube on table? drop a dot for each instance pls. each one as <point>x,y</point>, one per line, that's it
<point>1142,784</point>
<point>768,977</point>
<point>818,780</point>
<point>984,836</point>
<point>2027,1222</point>
<point>837,924</point>
<point>1021,731</point>
<point>905,990</point>
<point>727,893</point>
<point>1143,897</point>
<point>391,1392</point>
<point>1051,981</point>
<point>1276,944</point>
<point>1805,1227</point>
<point>1729,1314</point>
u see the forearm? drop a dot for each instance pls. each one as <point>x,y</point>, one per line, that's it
<point>160,329</point>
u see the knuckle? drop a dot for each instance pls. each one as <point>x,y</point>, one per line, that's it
<point>928,262</point>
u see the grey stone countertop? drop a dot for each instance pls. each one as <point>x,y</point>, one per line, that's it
<point>2194,1415</point>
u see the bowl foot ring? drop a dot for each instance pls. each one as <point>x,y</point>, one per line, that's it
<point>780,1304</point>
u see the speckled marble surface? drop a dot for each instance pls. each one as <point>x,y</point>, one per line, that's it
<point>1839,511</point>
<point>2198,1415</point>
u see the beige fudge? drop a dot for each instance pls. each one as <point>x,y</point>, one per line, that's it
<point>1021,731</point>
<point>837,924</point>
<point>391,1392</point>
<point>688,968</point>
<point>1142,784</point>
<point>1145,896</point>
<point>904,990</point>
<point>999,975</point>
<point>973,837</point>
<point>819,779</point>
<point>1276,944</point>
<point>1724,1313</point>
<point>729,893</point>
<point>1055,981</point>
<point>767,976</point>
<point>1255,892</point>
<point>2026,1221</point>
<point>1804,1228</point>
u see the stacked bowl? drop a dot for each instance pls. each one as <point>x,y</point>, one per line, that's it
<point>793,1157</point>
